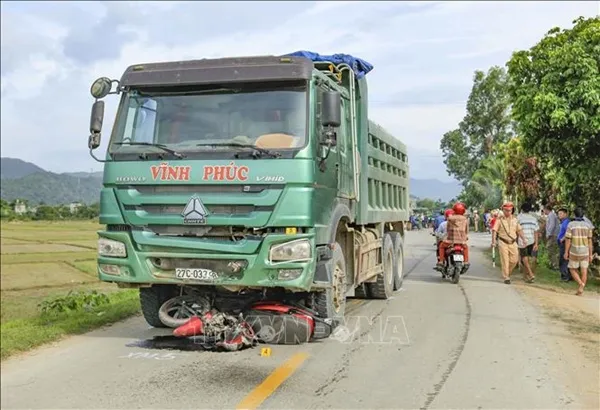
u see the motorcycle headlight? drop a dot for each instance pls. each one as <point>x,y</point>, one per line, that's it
<point>108,247</point>
<point>297,251</point>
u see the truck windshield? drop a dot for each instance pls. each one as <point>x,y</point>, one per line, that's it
<point>215,119</point>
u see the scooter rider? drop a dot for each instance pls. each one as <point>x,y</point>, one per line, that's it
<point>441,231</point>
<point>438,220</point>
<point>457,228</point>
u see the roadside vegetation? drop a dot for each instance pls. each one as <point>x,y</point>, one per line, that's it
<point>49,286</point>
<point>532,130</point>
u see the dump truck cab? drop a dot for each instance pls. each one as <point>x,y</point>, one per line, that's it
<point>241,175</point>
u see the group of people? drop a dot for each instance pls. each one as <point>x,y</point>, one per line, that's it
<point>573,237</point>
<point>517,238</point>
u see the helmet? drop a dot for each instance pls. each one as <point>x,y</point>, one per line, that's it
<point>448,212</point>
<point>459,208</point>
<point>508,205</point>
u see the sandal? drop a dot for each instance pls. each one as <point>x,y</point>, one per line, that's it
<point>507,281</point>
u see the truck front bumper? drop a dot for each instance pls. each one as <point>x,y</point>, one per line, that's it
<point>153,265</point>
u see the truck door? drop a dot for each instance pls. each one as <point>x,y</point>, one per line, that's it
<point>345,152</point>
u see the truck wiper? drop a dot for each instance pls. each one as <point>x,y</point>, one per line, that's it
<point>149,144</point>
<point>241,145</point>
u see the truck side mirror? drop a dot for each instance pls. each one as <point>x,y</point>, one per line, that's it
<point>96,120</point>
<point>331,109</point>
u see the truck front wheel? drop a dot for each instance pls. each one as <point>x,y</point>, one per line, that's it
<point>151,299</point>
<point>331,304</point>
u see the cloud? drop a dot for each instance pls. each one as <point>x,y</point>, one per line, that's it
<point>424,54</point>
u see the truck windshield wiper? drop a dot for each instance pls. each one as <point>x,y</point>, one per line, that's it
<point>149,144</point>
<point>241,145</point>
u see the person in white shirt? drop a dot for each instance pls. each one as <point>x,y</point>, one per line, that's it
<point>529,247</point>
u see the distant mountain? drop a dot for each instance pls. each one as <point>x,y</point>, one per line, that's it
<point>52,189</point>
<point>434,189</point>
<point>98,174</point>
<point>12,168</point>
<point>24,180</point>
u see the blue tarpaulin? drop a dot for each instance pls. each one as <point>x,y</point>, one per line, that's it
<point>360,67</point>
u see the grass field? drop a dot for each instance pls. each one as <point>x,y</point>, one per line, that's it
<point>43,260</point>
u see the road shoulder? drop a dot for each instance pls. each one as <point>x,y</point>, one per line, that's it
<point>573,339</point>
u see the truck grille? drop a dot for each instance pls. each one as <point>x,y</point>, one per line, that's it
<point>212,209</point>
<point>227,205</point>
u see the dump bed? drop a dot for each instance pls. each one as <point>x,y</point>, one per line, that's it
<point>384,177</point>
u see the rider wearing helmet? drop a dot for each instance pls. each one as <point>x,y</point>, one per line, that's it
<point>438,220</point>
<point>457,228</point>
<point>441,230</point>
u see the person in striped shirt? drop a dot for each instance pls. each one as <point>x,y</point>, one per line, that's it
<point>529,246</point>
<point>579,248</point>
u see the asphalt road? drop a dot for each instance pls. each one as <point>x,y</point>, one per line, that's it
<point>435,344</point>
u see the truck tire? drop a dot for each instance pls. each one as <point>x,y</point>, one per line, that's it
<point>331,304</point>
<point>399,262</point>
<point>384,287</point>
<point>151,299</point>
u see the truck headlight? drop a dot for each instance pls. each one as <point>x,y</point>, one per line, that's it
<point>297,251</point>
<point>108,247</point>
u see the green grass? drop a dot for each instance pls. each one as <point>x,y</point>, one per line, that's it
<point>547,278</point>
<point>20,335</point>
<point>42,260</point>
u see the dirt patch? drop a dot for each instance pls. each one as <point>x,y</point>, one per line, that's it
<point>10,241</point>
<point>11,259</point>
<point>36,275</point>
<point>40,248</point>
<point>573,337</point>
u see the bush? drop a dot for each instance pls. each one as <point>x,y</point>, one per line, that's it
<point>74,301</point>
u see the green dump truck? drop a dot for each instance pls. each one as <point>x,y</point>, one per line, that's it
<point>249,176</point>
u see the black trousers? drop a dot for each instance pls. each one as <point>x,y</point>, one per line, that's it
<point>563,263</point>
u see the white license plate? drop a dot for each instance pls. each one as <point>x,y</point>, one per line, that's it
<point>459,258</point>
<point>198,274</point>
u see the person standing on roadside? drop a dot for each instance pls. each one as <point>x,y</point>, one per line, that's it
<point>552,229</point>
<point>507,230</point>
<point>476,220</point>
<point>563,215</point>
<point>578,248</point>
<point>527,248</point>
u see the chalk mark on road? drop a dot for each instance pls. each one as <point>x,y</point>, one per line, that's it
<point>457,353</point>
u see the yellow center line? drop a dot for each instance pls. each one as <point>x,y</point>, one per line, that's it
<point>272,382</point>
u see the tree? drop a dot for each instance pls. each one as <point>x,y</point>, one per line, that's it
<point>486,187</point>
<point>457,157</point>
<point>486,124</point>
<point>555,89</point>
<point>522,175</point>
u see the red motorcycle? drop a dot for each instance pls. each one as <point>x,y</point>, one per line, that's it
<point>454,263</point>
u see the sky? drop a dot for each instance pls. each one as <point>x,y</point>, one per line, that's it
<point>424,55</point>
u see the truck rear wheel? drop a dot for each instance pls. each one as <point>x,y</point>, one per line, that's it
<point>151,299</point>
<point>384,287</point>
<point>331,304</point>
<point>399,262</point>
